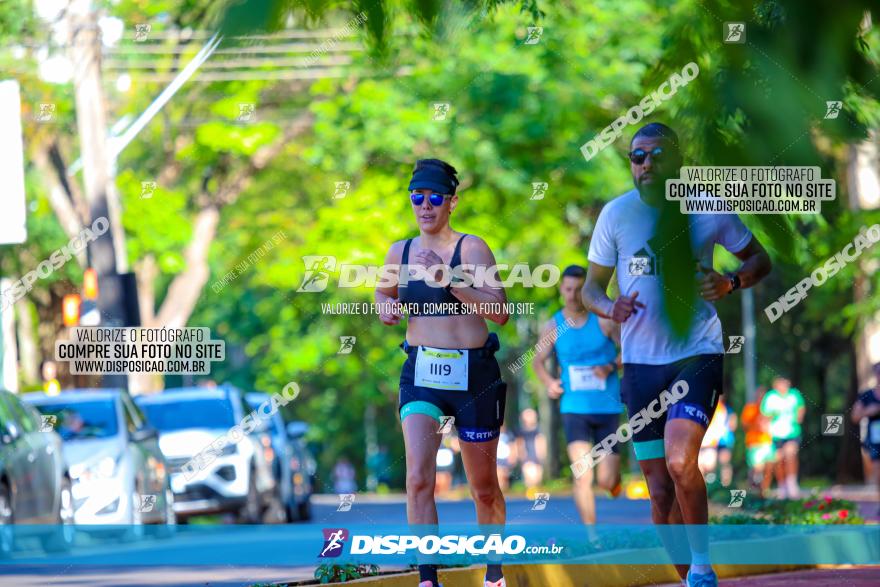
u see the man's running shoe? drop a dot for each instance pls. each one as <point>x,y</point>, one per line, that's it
<point>430,584</point>
<point>708,580</point>
<point>499,583</point>
<point>617,489</point>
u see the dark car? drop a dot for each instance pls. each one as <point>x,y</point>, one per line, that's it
<point>292,467</point>
<point>112,455</point>
<point>34,486</point>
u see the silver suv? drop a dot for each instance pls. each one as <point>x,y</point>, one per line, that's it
<point>219,462</point>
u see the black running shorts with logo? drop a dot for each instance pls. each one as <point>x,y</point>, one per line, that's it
<point>592,428</point>
<point>641,388</point>
<point>478,410</point>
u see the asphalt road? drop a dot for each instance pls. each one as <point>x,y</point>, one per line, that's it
<point>168,556</point>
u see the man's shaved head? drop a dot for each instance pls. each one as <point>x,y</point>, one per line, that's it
<point>656,130</point>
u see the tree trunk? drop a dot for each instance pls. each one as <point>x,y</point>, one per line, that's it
<point>185,290</point>
<point>28,359</point>
<point>863,183</point>
<point>849,461</point>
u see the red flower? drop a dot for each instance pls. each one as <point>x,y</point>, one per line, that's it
<point>843,514</point>
<point>826,516</point>
<point>827,499</point>
<point>809,504</point>
<point>821,506</point>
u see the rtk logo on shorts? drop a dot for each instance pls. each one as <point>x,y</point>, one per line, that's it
<point>334,542</point>
<point>696,413</point>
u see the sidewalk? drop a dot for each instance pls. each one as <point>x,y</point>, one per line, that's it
<point>843,576</point>
<point>861,493</point>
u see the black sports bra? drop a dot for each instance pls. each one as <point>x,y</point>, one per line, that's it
<point>419,296</point>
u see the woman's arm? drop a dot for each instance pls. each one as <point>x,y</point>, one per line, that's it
<point>386,293</point>
<point>860,410</point>
<point>475,252</point>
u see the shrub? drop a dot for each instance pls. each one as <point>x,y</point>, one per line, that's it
<point>341,573</point>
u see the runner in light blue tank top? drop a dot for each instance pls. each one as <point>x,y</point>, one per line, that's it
<point>578,350</point>
<point>588,386</point>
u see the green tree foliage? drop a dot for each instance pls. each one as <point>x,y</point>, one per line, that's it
<point>518,114</point>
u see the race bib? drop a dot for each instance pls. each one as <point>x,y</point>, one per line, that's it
<point>442,369</point>
<point>874,432</point>
<point>582,378</point>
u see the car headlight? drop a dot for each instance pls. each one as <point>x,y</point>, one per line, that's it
<point>77,470</point>
<point>105,467</point>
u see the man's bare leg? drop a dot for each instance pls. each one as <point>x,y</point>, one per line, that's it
<point>664,506</point>
<point>583,485</point>
<point>682,444</point>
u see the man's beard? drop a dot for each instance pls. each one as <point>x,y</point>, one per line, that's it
<point>654,192</point>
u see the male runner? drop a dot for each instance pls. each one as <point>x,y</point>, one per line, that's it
<point>586,349</point>
<point>626,238</point>
<point>867,407</point>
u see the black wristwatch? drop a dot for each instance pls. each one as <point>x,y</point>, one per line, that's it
<point>734,282</point>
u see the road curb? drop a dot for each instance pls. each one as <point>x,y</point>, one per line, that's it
<point>575,575</point>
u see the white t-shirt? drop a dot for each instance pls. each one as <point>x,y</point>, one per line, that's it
<point>621,239</point>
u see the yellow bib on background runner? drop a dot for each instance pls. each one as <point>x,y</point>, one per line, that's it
<point>442,368</point>
<point>582,378</point>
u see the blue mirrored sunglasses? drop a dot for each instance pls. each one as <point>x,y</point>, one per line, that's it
<point>639,155</point>
<point>418,198</point>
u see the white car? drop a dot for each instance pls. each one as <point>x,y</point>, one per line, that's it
<point>219,462</point>
<point>112,455</point>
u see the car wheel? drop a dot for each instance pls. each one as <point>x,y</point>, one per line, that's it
<point>283,516</point>
<point>61,537</point>
<point>292,513</point>
<point>136,529</point>
<point>169,526</point>
<point>304,510</point>
<point>7,533</point>
<point>250,513</point>
<point>278,512</point>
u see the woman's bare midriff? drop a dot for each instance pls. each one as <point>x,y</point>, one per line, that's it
<point>447,332</point>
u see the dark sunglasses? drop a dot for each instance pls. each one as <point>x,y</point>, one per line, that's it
<point>639,155</point>
<point>435,199</point>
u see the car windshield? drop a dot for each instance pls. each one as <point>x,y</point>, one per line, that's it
<point>193,413</point>
<point>273,426</point>
<point>82,419</point>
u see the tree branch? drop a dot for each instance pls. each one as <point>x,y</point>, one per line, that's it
<point>186,287</point>
<point>59,198</point>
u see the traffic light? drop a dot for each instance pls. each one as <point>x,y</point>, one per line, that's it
<point>89,314</point>
<point>90,284</point>
<point>70,309</point>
